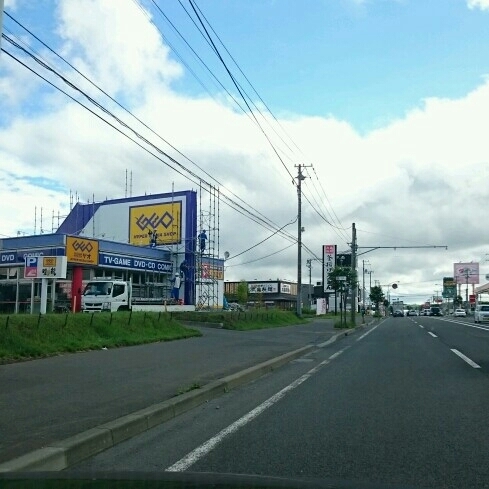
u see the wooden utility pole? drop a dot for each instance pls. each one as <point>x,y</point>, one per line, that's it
<point>353,269</point>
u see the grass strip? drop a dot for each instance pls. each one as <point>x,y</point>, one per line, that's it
<point>243,321</point>
<point>24,336</point>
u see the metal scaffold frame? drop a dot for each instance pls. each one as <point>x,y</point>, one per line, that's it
<point>206,280</point>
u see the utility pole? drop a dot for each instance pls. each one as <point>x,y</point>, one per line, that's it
<point>309,265</point>
<point>300,177</point>
<point>353,268</point>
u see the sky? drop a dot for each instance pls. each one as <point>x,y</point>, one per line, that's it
<point>384,102</point>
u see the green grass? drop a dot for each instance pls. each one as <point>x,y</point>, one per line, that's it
<point>25,336</point>
<point>244,321</point>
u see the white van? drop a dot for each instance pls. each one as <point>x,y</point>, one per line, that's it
<point>481,313</point>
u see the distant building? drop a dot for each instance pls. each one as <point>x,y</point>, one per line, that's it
<point>269,293</point>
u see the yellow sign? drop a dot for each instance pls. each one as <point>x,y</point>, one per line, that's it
<point>82,250</point>
<point>49,261</point>
<point>155,224</point>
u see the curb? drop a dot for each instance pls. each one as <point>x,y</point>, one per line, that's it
<point>62,454</point>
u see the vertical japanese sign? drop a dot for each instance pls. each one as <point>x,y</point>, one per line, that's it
<point>329,260</point>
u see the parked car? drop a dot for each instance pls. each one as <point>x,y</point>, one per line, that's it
<point>412,312</point>
<point>425,312</point>
<point>459,313</point>
<point>481,313</point>
<point>398,313</point>
<point>234,306</point>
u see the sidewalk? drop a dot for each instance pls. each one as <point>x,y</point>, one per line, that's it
<point>44,401</point>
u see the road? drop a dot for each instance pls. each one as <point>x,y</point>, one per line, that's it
<point>393,404</point>
<point>46,400</point>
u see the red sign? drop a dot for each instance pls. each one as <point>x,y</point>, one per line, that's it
<point>472,298</point>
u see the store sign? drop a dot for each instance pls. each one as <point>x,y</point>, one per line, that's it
<point>449,288</point>
<point>109,260</point>
<point>157,224</point>
<point>329,260</point>
<point>50,266</point>
<point>81,250</point>
<point>17,257</point>
<point>466,273</point>
<point>263,288</point>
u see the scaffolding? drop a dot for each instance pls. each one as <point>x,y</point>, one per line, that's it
<point>207,249</point>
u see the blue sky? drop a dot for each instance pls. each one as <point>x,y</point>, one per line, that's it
<point>363,62</point>
<point>388,100</point>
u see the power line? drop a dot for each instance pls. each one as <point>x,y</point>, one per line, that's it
<point>262,241</point>
<point>271,223</point>
<point>261,258</point>
<point>235,206</point>
<point>241,93</point>
<point>231,203</point>
<point>241,71</point>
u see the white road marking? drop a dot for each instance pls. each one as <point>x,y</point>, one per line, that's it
<point>466,359</point>
<point>337,354</point>
<point>421,326</point>
<point>368,332</point>
<point>195,455</point>
<point>432,334</point>
<point>478,327</point>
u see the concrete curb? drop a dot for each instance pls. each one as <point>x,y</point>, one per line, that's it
<point>65,453</point>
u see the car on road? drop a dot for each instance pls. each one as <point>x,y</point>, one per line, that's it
<point>481,313</point>
<point>412,312</point>
<point>425,312</point>
<point>459,313</point>
<point>435,311</point>
<point>398,313</point>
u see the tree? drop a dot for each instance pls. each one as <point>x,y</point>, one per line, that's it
<point>349,280</point>
<point>377,296</point>
<point>242,292</point>
<point>347,272</point>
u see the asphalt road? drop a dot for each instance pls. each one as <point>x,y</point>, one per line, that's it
<point>46,400</point>
<point>393,404</point>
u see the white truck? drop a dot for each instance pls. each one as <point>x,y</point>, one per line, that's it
<point>107,295</point>
<point>111,295</point>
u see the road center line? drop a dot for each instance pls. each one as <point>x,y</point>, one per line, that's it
<point>368,332</point>
<point>432,334</point>
<point>466,359</point>
<point>421,326</point>
<point>196,454</point>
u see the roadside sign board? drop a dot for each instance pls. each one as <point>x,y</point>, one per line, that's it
<point>51,267</point>
<point>30,269</point>
<point>449,288</point>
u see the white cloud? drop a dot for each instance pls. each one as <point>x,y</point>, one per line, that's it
<point>11,4</point>
<point>115,45</point>
<point>482,4</point>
